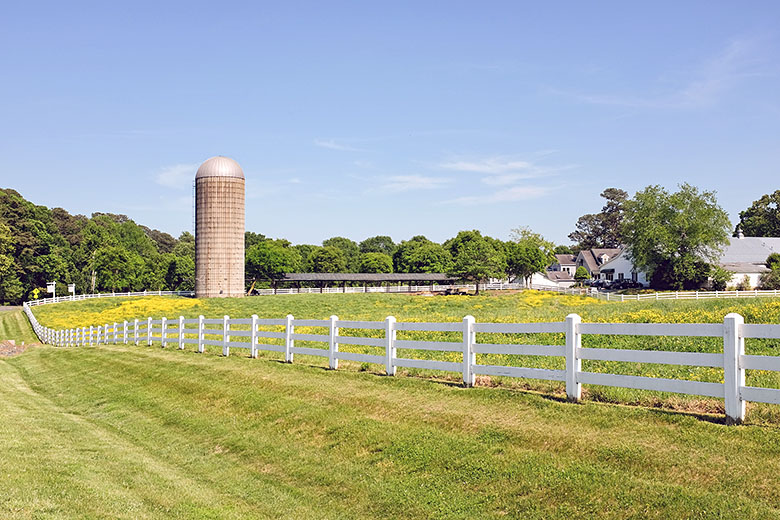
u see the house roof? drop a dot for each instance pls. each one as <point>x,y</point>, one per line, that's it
<point>745,267</point>
<point>591,257</point>
<point>750,249</point>
<point>566,259</point>
<point>368,277</point>
<point>559,276</point>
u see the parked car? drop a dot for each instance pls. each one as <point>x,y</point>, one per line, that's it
<point>625,283</point>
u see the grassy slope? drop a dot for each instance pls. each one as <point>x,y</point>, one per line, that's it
<point>14,325</point>
<point>138,432</point>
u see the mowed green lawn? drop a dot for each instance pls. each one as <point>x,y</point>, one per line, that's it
<point>145,432</point>
<point>15,326</point>
<point>529,306</point>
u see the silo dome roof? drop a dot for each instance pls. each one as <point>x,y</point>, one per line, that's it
<point>220,167</point>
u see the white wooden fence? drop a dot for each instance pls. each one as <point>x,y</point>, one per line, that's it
<point>79,297</point>
<point>579,291</point>
<point>669,295</point>
<point>202,332</point>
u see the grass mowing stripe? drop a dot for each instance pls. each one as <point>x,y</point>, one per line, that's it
<point>304,442</point>
<point>14,325</point>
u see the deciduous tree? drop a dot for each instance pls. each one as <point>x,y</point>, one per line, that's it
<point>762,218</point>
<point>673,236</point>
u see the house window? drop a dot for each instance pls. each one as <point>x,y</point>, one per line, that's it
<point>609,276</point>
<point>634,276</point>
<point>620,276</point>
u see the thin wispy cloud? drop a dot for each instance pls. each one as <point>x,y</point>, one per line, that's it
<point>178,176</point>
<point>332,144</point>
<point>493,165</point>
<point>399,183</point>
<point>709,82</point>
<point>503,171</point>
<point>513,194</point>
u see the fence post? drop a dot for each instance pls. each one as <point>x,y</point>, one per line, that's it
<point>225,335</point>
<point>163,338</point>
<point>573,362</point>
<point>733,375</point>
<point>181,332</point>
<point>91,331</point>
<point>83,336</point>
<point>200,334</point>
<point>124,332</point>
<point>289,342</point>
<point>333,347</point>
<point>149,331</point>
<point>469,357</point>
<point>390,345</point>
<point>253,337</point>
<point>116,332</point>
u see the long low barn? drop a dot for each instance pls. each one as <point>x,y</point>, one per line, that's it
<point>426,278</point>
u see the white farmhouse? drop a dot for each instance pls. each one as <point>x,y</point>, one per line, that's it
<point>620,267</point>
<point>593,259</point>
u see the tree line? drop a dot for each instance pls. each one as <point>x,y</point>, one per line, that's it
<point>105,252</point>
<point>108,252</point>
<point>468,256</point>
<point>676,237</point>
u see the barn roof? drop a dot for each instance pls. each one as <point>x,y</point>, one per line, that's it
<point>368,277</point>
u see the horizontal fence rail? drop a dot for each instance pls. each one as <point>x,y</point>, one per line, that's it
<point>458,288</point>
<point>323,338</point>
<point>657,296</point>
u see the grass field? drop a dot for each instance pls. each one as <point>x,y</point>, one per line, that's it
<point>14,326</point>
<point>140,432</point>
<point>530,306</point>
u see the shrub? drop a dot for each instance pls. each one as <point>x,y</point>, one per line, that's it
<point>744,285</point>
<point>773,261</point>
<point>719,277</point>
<point>770,280</point>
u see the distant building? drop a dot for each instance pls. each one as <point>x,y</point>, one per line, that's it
<point>593,259</point>
<point>566,264</point>
<point>746,257</point>
<point>620,267</point>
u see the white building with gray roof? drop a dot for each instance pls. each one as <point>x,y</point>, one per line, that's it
<point>745,257</point>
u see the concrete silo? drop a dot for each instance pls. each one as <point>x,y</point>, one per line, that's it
<point>219,229</point>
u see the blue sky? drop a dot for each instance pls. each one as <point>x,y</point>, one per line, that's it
<point>399,118</point>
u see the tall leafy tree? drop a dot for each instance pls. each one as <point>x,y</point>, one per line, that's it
<point>271,260</point>
<point>328,259</point>
<point>674,236</point>
<point>378,244</point>
<point>376,263</point>
<point>524,259</point>
<point>420,255</point>
<point>475,258</point>
<point>604,229</point>
<point>524,235</point>
<point>113,269</point>
<point>306,250</point>
<point>350,250</point>
<point>251,238</point>
<point>762,218</point>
